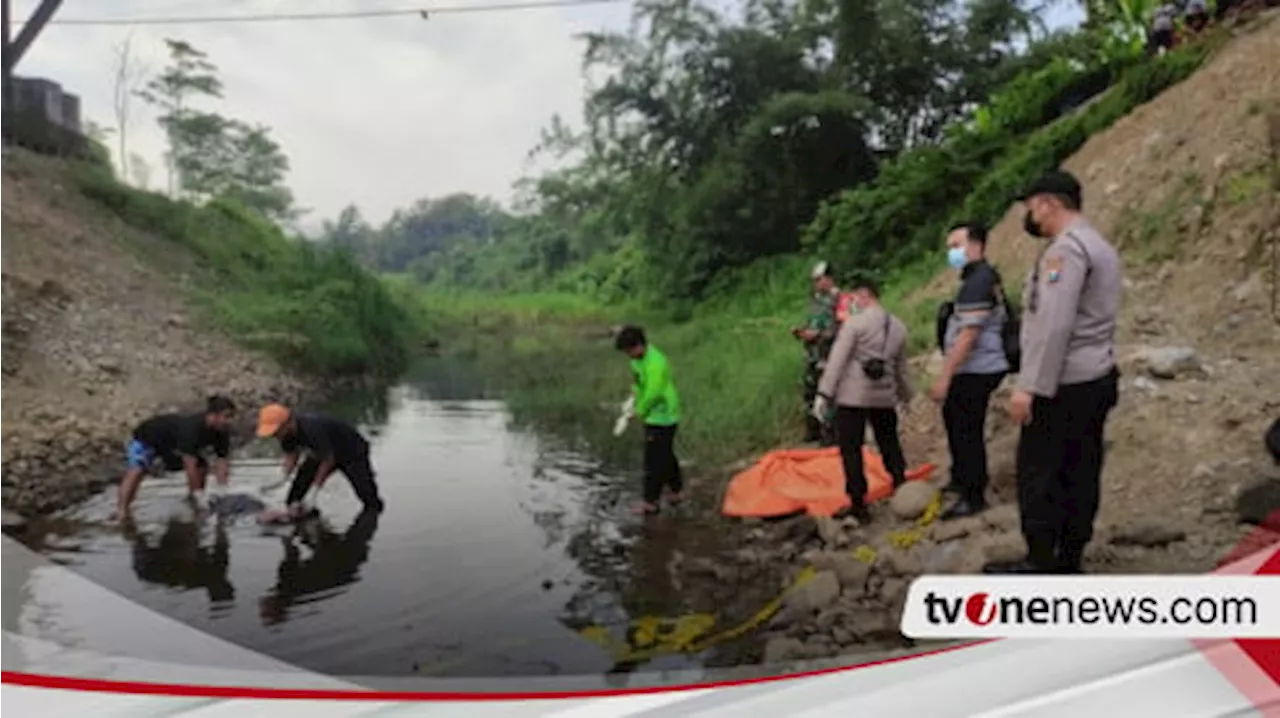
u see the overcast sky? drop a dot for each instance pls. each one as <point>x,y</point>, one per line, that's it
<point>376,112</point>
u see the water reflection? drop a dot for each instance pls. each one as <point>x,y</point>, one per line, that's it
<point>333,564</point>
<point>178,560</point>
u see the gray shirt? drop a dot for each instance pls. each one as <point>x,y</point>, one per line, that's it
<point>977,305</point>
<point>1071,300</point>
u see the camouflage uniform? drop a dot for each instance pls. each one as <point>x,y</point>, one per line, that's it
<point>822,318</point>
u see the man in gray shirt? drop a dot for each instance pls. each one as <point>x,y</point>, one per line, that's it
<point>1068,381</point>
<point>974,365</point>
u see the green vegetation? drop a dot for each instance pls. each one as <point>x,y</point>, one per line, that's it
<point>722,156</point>
<point>313,307</point>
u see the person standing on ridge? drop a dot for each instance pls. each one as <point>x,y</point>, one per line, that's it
<point>331,445</point>
<point>1068,383</point>
<point>818,334</point>
<point>865,377</point>
<point>657,404</point>
<point>179,440</point>
<point>974,364</point>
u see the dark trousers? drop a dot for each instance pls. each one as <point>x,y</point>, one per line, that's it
<point>1059,470</point>
<point>359,473</point>
<point>661,467</point>
<point>851,427</point>
<point>965,414</point>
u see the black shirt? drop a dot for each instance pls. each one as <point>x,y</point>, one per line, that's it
<point>326,438</point>
<point>184,434</point>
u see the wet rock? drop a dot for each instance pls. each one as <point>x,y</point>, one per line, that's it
<point>944,531</point>
<point>1005,547</point>
<point>1002,518</point>
<point>782,649</point>
<point>12,522</point>
<point>1170,362</point>
<point>911,499</point>
<point>1149,533</point>
<point>817,593</point>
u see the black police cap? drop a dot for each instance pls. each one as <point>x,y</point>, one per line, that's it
<point>1054,182</point>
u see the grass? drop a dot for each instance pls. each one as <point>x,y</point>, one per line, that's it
<point>316,312</point>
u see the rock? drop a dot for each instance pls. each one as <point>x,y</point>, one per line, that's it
<point>110,366</point>
<point>1170,362</point>
<point>829,530</point>
<point>874,625</point>
<point>1150,533</point>
<point>1002,518</point>
<point>851,572</point>
<point>911,499</point>
<point>898,563</point>
<point>782,649</point>
<point>826,620</point>
<point>894,592</point>
<point>1144,385</point>
<point>12,523</point>
<point>1005,547</point>
<point>819,592</point>
<point>944,531</point>
<point>843,636</point>
<point>1202,472</point>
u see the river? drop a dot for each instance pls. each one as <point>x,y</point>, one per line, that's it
<point>499,544</point>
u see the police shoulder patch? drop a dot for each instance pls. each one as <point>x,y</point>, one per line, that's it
<point>1052,268</point>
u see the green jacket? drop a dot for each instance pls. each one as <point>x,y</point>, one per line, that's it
<point>657,401</point>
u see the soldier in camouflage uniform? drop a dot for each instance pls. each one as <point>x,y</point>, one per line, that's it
<point>818,334</point>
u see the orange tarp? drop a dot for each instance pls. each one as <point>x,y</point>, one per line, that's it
<point>812,480</point>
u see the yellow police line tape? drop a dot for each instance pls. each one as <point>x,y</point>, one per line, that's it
<point>648,637</point>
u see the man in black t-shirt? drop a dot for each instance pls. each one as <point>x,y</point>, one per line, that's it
<point>178,441</point>
<point>331,444</point>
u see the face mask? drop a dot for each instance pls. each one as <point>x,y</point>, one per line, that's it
<point>956,258</point>
<point>1031,226</point>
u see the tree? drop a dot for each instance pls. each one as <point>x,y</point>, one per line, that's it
<point>189,75</point>
<point>140,171</point>
<point>127,73</point>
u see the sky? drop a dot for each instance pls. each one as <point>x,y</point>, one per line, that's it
<point>375,112</point>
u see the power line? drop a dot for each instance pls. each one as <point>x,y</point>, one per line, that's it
<point>424,13</point>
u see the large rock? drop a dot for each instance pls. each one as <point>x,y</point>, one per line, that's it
<point>816,594</point>
<point>1169,362</point>
<point>852,572</point>
<point>1005,547</point>
<point>899,563</point>
<point>911,499</point>
<point>944,531</point>
<point>1002,518</point>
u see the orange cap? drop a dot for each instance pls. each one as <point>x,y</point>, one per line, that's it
<point>271,418</point>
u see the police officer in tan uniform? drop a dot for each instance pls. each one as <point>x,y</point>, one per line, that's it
<point>1068,381</point>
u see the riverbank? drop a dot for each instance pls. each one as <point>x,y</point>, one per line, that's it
<point>1179,186</point>
<point>119,304</point>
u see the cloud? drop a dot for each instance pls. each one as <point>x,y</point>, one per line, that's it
<point>375,112</point>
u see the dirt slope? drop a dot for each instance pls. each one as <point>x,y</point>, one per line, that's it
<point>95,337</point>
<point>1180,186</point>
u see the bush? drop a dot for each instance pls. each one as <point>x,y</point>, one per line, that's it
<point>315,310</point>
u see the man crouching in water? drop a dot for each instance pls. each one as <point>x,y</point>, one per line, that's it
<point>331,444</point>
<point>178,441</point>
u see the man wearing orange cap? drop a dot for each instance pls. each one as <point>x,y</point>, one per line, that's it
<point>331,444</point>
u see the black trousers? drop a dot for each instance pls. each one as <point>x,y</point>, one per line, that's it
<point>964,412</point>
<point>359,473</point>
<point>851,427</point>
<point>1059,469</point>
<point>661,467</point>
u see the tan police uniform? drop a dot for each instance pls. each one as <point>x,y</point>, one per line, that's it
<point>1068,346</point>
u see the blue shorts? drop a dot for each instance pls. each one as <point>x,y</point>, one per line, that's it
<point>139,455</point>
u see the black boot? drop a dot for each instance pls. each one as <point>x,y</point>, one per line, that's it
<point>1070,559</point>
<point>964,507</point>
<point>812,429</point>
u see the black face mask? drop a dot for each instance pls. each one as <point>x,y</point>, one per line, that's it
<point>1031,226</point>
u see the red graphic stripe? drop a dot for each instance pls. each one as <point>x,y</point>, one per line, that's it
<point>97,685</point>
<point>1266,651</point>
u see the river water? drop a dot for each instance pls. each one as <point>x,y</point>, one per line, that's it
<point>499,544</point>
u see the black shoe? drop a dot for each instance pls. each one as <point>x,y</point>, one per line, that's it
<point>858,512</point>
<point>952,488</point>
<point>964,508</point>
<point>1023,567</point>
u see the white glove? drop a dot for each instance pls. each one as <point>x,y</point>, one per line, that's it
<point>200,500</point>
<point>820,407</point>
<point>629,406</point>
<point>620,425</point>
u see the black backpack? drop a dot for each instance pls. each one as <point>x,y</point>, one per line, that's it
<point>1010,333</point>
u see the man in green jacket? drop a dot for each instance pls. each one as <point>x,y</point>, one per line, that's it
<point>657,404</point>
